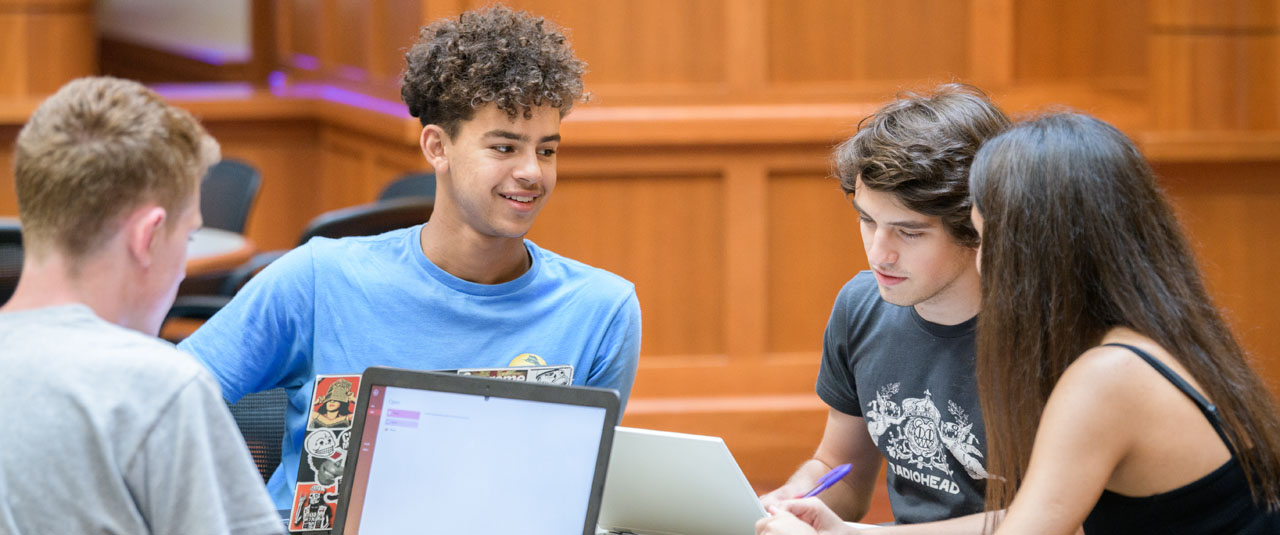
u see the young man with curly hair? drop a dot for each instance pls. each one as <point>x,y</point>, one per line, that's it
<point>899,352</point>
<point>117,431</point>
<point>466,290</point>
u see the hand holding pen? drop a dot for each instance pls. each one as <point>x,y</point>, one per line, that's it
<point>826,481</point>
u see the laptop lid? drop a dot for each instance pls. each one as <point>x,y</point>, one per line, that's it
<point>452,454</point>
<point>676,484</point>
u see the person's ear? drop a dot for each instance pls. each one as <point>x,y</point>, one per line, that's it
<point>433,141</point>
<point>142,228</point>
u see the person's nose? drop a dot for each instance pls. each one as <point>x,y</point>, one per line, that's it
<point>883,250</point>
<point>529,170</point>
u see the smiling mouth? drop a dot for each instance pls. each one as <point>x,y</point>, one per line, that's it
<point>517,198</point>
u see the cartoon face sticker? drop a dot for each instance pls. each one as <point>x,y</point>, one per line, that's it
<point>320,443</point>
<point>558,376</point>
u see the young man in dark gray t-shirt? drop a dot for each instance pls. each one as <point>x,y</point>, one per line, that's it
<point>898,356</point>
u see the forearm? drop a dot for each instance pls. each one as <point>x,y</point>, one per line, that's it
<point>842,497</point>
<point>964,525</point>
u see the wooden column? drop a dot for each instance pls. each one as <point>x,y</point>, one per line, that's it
<point>44,44</point>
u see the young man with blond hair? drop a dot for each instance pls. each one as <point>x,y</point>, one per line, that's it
<point>118,432</point>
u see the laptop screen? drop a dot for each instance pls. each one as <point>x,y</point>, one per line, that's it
<point>447,462</point>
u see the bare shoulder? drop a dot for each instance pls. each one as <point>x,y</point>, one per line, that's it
<point>1106,371</point>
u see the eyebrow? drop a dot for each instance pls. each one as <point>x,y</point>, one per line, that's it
<point>910,225</point>
<point>506,134</point>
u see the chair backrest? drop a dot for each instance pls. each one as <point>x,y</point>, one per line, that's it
<point>369,219</point>
<point>227,193</point>
<point>410,185</point>
<point>260,416</point>
<point>10,258</point>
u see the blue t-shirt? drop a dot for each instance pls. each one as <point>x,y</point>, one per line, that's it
<point>340,306</point>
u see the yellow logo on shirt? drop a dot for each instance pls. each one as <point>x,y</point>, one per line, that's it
<point>527,359</point>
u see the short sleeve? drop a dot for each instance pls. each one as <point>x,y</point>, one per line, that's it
<point>619,354</point>
<point>836,384</point>
<point>262,339</point>
<point>193,473</point>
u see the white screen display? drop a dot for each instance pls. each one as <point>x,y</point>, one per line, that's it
<point>463,464</point>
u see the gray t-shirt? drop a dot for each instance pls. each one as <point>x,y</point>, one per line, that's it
<point>112,431</point>
<point>913,382</point>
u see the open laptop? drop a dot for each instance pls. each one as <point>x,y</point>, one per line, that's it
<point>663,483</point>
<point>457,455</point>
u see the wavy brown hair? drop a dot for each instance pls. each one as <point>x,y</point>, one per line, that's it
<point>1079,239</point>
<point>919,148</point>
<point>509,58</point>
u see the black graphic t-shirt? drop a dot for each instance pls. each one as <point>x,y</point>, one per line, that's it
<point>914,383</point>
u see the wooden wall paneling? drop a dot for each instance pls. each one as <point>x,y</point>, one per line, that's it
<point>62,46</point>
<point>437,9</point>
<point>288,156</point>
<point>815,246</point>
<point>1092,42</point>
<point>44,44</point>
<point>746,260</point>
<point>351,37</point>
<point>645,51</point>
<point>8,195</point>
<point>14,62</point>
<point>344,177</point>
<point>991,43</point>
<point>306,47</point>
<point>1215,14</point>
<point>663,231</point>
<point>1227,210</point>
<point>1215,81</point>
<point>859,41</point>
<point>263,40</point>
<point>283,21</point>
<point>357,167</point>
<point>395,30</point>
<point>747,52</point>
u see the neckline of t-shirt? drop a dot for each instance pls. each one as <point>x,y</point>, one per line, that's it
<point>475,288</point>
<point>963,328</point>
<point>63,312</point>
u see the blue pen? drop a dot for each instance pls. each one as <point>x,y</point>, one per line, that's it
<point>830,479</point>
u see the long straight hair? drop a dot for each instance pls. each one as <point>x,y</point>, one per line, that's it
<point>1078,239</point>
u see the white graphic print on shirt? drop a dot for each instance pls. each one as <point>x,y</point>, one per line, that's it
<point>918,436</point>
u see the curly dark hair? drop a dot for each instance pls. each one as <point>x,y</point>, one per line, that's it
<point>510,58</point>
<point>919,148</point>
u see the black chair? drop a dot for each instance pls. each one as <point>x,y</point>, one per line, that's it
<point>261,419</point>
<point>410,185</point>
<point>10,258</point>
<point>361,220</point>
<point>226,197</point>
<point>227,194</point>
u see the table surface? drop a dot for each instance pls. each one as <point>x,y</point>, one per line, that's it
<point>210,250</point>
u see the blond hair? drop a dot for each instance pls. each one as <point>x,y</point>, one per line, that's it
<point>97,149</point>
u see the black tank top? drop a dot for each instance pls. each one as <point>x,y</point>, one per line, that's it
<point>1219,502</point>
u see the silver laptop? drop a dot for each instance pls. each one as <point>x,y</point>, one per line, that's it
<point>458,455</point>
<point>663,483</point>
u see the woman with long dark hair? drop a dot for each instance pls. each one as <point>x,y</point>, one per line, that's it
<point>1115,395</point>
